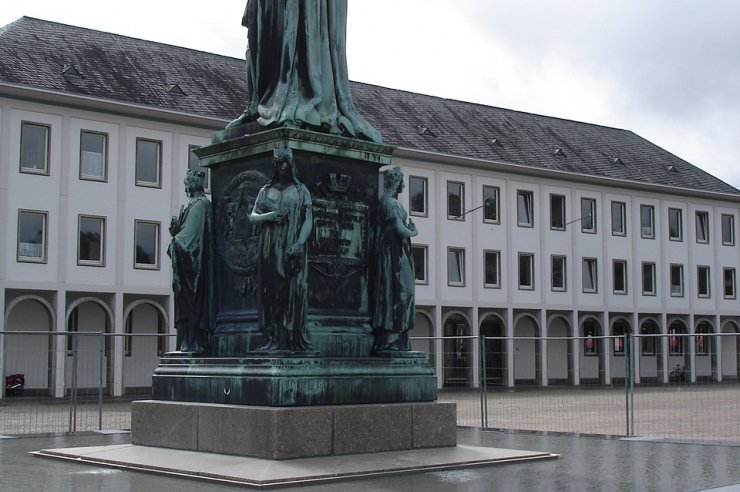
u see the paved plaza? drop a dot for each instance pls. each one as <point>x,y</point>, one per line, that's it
<point>696,412</point>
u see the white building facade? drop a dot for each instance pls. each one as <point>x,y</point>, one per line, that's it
<point>530,256</point>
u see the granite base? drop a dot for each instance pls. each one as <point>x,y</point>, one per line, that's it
<point>280,433</point>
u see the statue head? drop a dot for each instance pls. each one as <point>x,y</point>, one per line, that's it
<point>280,157</point>
<point>194,182</point>
<point>393,179</point>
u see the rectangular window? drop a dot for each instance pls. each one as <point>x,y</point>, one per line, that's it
<point>557,212</point>
<point>34,148</point>
<point>702,227</point>
<point>729,282</point>
<point>455,267</point>
<point>588,215</point>
<point>146,242</point>
<point>677,280</point>
<point>455,200</point>
<point>418,195</point>
<point>148,162</point>
<point>648,279</point>
<point>525,208</point>
<point>728,230</point>
<point>93,156</point>
<point>194,165</point>
<point>490,204</point>
<point>589,276</point>
<point>675,224</point>
<point>619,268</point>
<point>704,281</point>
<point>558,279</point>
<point>32,236</point>
<point>619,226</point>
<point>647,221</point>
<point>91,241</point>
<point>419,254</point>
<point>492,260</point>
<point>526,271</point>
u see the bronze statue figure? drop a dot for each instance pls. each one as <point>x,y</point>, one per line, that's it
<point>192,252</point>
<point>283,217</point>
<point>395,279</point>
<point>297,68</point>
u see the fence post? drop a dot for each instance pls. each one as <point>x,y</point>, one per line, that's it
<point>73,386</point>
<point>629,383</point>
<point>101,377</point>
<point>482,379</point>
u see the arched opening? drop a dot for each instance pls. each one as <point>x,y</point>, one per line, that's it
<point>458,356</point>
<point>559,367</point>
<point>30,354</point>
<point>704,351</point>
<point>86,367</point>
<point>526,350</point>
<point>618,348</point>
<point>494,332</point>
<point>730,351</point>
<point>678,349</point>
<point>649,347</point>
<point>591,348</point>
<point>145,326</point>
<point>421,335</point>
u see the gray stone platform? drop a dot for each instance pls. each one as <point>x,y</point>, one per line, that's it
<point>280,433</point>
<point>268,473</point>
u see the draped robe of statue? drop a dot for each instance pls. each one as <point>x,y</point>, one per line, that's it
<point>297,68</point>
<point>283,278</point>
<point>192,253</point>
<point>395,279</point>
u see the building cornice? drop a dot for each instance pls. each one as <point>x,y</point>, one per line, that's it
<point>90,103</point>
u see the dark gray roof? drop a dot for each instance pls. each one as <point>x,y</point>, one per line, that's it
<point>36,53</point>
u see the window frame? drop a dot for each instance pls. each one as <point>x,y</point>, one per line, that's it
<point>148,184</point>
<point>461,216</point>
<point>520,257</point>
<point>622,207</point>
<point>84,177</point>
<point>563,212</point>
<point>672,267</point>
<point>425,193</point>
<point>732,272</point>
<point>624,277</point>
<point>564,261</point>
<point>587,260</point>
<point>44,258</point>
<point>497,254</point>
<point>588,203</point>
<point>95,263</point>
<point>650,234</point>
<point>731,240</point>
<point>702,216</point>
<point>707,276</point>
<point>679,217</point>
<point>46,170</point>
<point>528,199</point>
<point>425,255</point>
<point>157,250</point>
<point>460,264</point>
<point>649,268</point>
<point>497,209</point>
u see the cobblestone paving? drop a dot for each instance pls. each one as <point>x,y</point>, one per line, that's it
<point>695,412</point>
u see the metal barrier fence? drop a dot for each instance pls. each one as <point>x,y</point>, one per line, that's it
<point>667,386</point>
<point>75,381</point>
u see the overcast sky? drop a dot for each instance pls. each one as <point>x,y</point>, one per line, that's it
<point>668,70</point>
